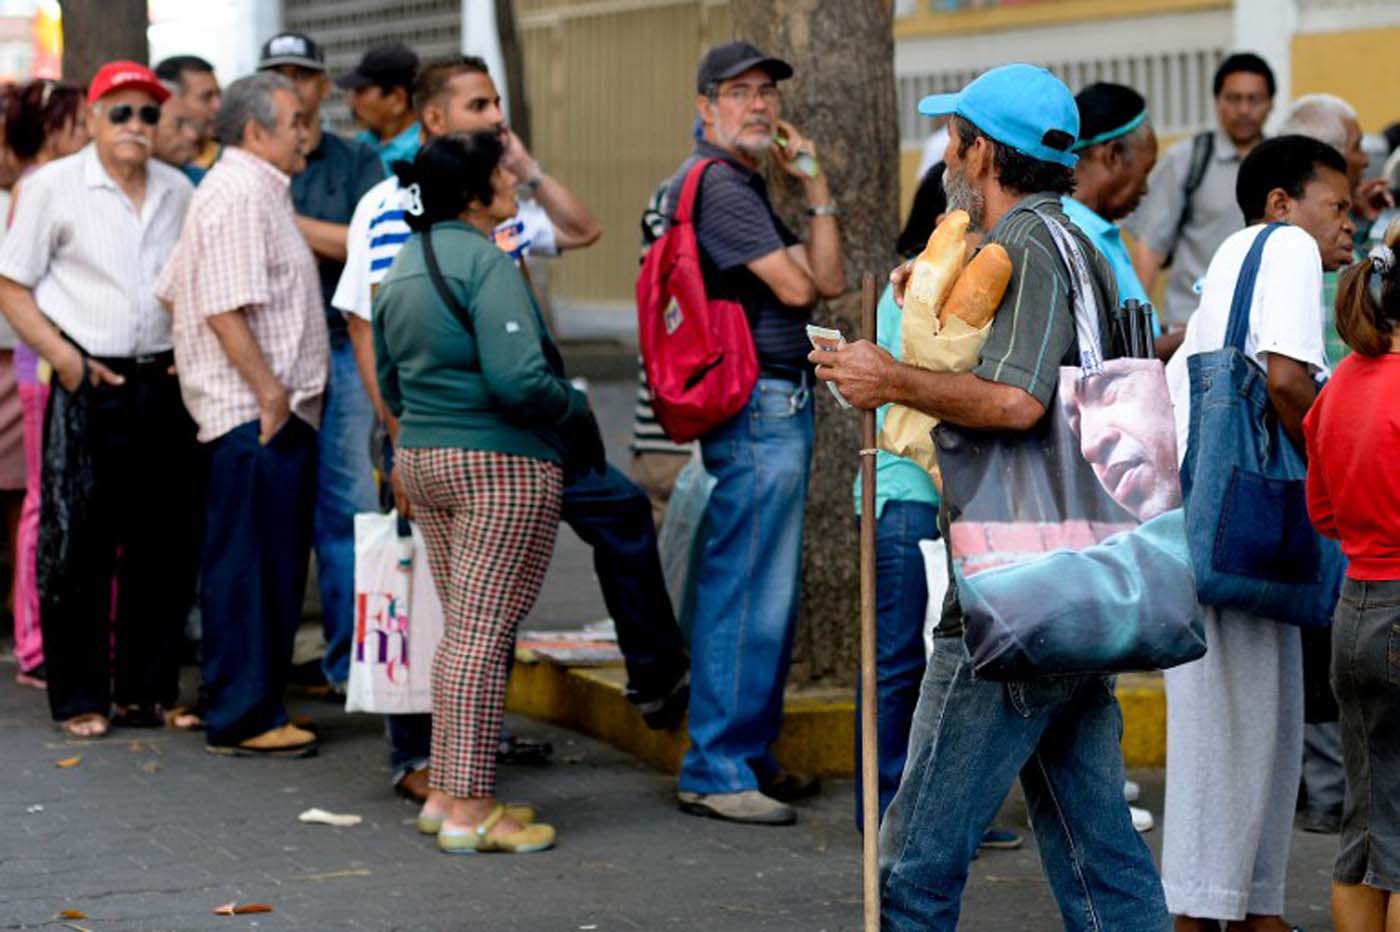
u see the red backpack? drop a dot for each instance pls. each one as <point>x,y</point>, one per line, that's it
<point>698,351</point>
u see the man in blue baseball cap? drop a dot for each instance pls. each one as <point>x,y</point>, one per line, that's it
<point>1009,161</point>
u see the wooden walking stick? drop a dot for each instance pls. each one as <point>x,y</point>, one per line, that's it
<point>869,754</point>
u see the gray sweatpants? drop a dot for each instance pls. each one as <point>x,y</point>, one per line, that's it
<point>1234,755</point>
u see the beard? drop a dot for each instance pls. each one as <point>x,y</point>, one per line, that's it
<point>963,196</point>
<point>754,148</point>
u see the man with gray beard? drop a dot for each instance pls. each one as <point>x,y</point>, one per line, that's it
<point>751,574</point>
<point>1009,160</point>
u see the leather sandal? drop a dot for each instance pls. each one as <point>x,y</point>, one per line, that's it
<point>522,813</point>
<point>528,840</point>
<point>104,724</point>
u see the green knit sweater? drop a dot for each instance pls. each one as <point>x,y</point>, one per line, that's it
<point>492,388</point>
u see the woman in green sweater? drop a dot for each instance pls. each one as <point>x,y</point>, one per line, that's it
<point>467,367</point>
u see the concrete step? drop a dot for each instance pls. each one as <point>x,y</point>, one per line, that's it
<point>818,733</point>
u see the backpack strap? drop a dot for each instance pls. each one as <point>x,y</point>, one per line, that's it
<point>463,316</point>
<point>1238,329</point>
<point>1086,303</point>
<point>1202,148</point>
<point>690,190</point>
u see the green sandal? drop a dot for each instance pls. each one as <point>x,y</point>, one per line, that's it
<point>530,839</point>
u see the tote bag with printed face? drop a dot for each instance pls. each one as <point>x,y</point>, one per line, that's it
<point>1068,541</point>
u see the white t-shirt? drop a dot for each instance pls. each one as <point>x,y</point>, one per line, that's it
<point>1285,317</point>
<point>378,231</point>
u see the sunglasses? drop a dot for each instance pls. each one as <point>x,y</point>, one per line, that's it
<point>122,113</point>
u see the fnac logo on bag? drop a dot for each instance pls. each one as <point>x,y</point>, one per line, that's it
<point>381,625</point>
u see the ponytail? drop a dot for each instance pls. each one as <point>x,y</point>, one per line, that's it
<point>448,174</point>
<point>1368,298</point>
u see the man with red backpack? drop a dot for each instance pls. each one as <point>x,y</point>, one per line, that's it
<point>750,575</point>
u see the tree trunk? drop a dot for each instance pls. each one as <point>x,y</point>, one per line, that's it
<point>99,31</point>
<point>513,57</point>
<point>843,98</point>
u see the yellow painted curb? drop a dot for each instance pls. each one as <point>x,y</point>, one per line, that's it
<point>818,734</point>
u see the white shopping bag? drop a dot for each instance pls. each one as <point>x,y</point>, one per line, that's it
<point>398,620</point>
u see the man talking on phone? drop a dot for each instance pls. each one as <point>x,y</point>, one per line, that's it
<point>751,571</point>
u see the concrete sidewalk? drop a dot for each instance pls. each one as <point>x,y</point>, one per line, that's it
<point>148,832</point>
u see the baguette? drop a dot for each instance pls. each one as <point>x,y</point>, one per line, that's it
<point>937,268</point>
<point>977,292</point>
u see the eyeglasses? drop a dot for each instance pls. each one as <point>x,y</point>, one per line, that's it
<point>743,94</point>
<point>122,113</point>
<point>1252,101</point>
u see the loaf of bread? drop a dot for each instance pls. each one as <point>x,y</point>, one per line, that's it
<point>937,267</point>
<point>977,292</point>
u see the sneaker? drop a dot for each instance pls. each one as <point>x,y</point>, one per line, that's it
<point>666,713</point>
<point>1131,791</point>
<point>1142,819</point>
<point>748,806</point>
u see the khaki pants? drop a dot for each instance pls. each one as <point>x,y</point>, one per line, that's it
<point>656,473</point>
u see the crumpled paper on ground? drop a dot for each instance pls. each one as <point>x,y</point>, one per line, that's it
<point>322,817</point>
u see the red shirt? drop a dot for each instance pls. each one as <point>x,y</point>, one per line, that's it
<point>1353,435</point>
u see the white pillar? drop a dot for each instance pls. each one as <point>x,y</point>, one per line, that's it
<point>481,38</point>
<point>1266,27</point>
<point>255,21</point>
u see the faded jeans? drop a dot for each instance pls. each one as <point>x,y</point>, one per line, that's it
<point>748,586</point>
<point>970,740</point>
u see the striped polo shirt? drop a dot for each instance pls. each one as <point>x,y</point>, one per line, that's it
<point>1033,332</point>
<point>379,229</point>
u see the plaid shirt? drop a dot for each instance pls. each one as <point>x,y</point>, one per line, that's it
<point>241,249</point>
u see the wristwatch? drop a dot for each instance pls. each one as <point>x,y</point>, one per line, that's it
<point>533,184</point>
<point>823,210</point>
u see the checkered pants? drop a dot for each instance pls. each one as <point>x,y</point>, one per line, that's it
<point>489,520</point>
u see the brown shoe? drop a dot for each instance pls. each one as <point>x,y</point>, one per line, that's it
<point>283,741</point>
<point>414,785</point>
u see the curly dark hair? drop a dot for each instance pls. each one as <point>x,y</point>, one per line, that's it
<point>1016,171</point>
<point>451,171</point>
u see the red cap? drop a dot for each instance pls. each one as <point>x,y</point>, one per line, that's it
<point>116,75</point>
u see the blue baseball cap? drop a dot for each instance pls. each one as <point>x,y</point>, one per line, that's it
<point>1018,106</point>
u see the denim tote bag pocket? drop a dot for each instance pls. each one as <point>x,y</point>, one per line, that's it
<point>1264,531</point>
<point>1067,542</point>
<point>1252,545</point>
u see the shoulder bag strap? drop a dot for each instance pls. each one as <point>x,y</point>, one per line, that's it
<point>1202,148</point>
<point>1238,328</point>
<point>1086,303</point>
<point>463,316</point>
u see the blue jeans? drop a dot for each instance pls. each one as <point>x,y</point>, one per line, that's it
<point>257,533</point>
<point>902,587</point>
<point>748,585</point>
<point>344,486</point>
<point>970,740</point>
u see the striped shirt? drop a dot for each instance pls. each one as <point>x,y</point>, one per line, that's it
<point>1033,332</point>
<point>91,258</point>
<point>379,229</point>
<point>241,250</point>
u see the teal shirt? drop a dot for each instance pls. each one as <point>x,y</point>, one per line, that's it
<point>1108,240</point>
<point>896,478</point>
<point>488,389</point>
<point>402,148</point>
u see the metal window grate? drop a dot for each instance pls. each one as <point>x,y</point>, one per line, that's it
<point>1176,85</point>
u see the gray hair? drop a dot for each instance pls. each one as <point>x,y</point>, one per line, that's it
<point>1319,116</point>
<point>247,99</point>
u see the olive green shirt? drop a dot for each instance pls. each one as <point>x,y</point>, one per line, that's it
<point>489,387</point>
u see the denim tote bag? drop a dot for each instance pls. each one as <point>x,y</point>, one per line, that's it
<point>1068,542</point>
<point>1245,485</point>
